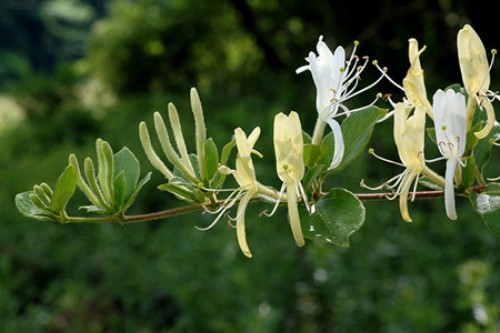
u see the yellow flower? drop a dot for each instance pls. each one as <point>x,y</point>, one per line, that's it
<point>413,83</point>
<point>288,147</point>
<point>475,71</point>
<point>409,138</point>
<point>245,176</point>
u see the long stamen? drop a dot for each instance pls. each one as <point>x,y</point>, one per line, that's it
<point>278,201</point>
<point>355,93</point>
<point>353,53</point>
<point>348,111</point>
<point>415,185</point>
<point>226,205</point>
<point>384,73</point>
<point>371,151</point>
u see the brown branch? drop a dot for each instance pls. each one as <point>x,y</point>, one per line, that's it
<point>195,207</point>
<point>421,194</point>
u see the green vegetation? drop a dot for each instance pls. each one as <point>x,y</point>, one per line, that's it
<point>74,71</point>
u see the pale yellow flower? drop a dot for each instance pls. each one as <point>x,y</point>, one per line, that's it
<point>413,83</point>
<point>288,147</point>
<point>409,137</point>
<point>245,176</point>
<point>475,70</point>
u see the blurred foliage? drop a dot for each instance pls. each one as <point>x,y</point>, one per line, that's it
<point>80,70</point>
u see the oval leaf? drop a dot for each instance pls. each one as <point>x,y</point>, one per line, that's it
<point>211,159</point>
<point>357,130</point>
<point>26,207</point>
<point>487,205</point>
<point>338,215</point>
<point>126,162</point>
<point>64,189</point>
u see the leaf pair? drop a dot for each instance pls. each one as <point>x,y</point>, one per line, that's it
<point>43,203</point>
<point>115,185</point>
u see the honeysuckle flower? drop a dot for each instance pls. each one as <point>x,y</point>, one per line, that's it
<point>409,130</point>
<point>409,138</point>
<point>413,83</point>
<point>450,120</point>
<point>288,147</point>
<point>336,81</point>
<point>244,174</point>
<point>475,70</point>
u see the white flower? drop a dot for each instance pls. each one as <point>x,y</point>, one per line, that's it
<point>450,120</point>
<point>336,81</point>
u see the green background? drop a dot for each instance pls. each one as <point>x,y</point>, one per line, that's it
<point>73,71</point>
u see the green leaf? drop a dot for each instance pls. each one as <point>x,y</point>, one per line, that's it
<point>312,153</point>
<point>120,189</point>
<point>325,150</point>
<point>431,133</point>
<point>105,168</point>
<point>306,138</point>
<point>125,162</point>
<point>468,173</point>
<point>211,159</point>
<point>179,190</point>
<point>311,175</point>
<point>357,130</point>
<point>338,215</point>
<point>134,195</point>
<point>64,189</point>
<point>482,150</point>
<point>26,207</point>
<point>226,151</point>
<point>487,205</point>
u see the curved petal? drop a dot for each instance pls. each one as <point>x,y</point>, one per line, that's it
<point>473,61</point>
<point>240,225</point>
<point>293,214</point>
<point>490,113</point>
<point>338,153</point>
<point>449,191</point>
<point>406,182</point>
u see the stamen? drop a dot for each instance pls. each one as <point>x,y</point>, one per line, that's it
<point>383,186</point>
<point>351,92</point>
<point>371,151</point>
<point>223,209</point>
<point>384,73</point>
<point>348,111</point>
<point>278,201</point>
<point>415,184</point>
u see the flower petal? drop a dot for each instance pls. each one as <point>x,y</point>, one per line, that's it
<point>406,182</point>
<point>473,61</point>
<point>240,225</point>
<point>338,153</point>
<point>449,191</point>
<point>490,113</point>
<point>293,213</point>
